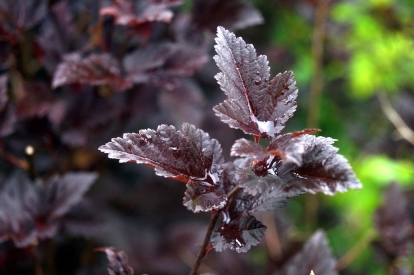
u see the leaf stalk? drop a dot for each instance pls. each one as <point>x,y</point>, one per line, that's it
<point>203,250</point>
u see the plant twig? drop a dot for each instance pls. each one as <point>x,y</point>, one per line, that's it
<point>272,236</point>
<point>22,164</point>
<point>316,87</point>
<point>357,249</point>
<point>203,249</point>
<point>189,258</point>
<point>402,128</point>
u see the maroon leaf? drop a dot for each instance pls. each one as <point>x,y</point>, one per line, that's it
<point>290,147</point>
<point>315,255</point>
<point>247,148</point>
<point>253,184</point>
<point>60,29</point>
<point>118,261</point>
<point>239,234</point>
<point>257,105</point>
<point>141,63</point>
<point>3,91</point>
<point>231,14</point>
<point>66,191</point>
<point>96,69</point>
<point>162,63</point>
<point>189,156</point>
<point>7,109</point>
<point>24,14</point>
<point>18,205</point>
<point>186,94</point>
<point>127,12</point>
<point>240,230</point>
<point>322,170</point>
<point>393,222</point>
<point>32,210</point>
<point>38,101</point>
<point>229,178</point>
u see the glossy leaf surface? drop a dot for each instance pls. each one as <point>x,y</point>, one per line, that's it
<point>256,104</point>
<point>188,155</point>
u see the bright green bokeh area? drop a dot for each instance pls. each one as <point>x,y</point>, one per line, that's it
<point>357,207</point>
<point>382,57</point>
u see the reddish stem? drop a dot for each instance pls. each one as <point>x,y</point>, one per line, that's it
<point>204,246</point>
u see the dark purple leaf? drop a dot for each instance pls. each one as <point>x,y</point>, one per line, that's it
<point>188,95</point>
<point>96,69</point>
<point>315,256</point>
<point>189,156</point>
<point>231,14</point>
<point>239,234</point>
<point>253,184</point>
<point>66,191</point>
<point>7,109</point>
<point>3,91</point>
<point>23,14</point>
<point>19,203</point>
<point>141,63</point>
<point>38,101</point>
<point>118,261</point>
<point>257,105</point>
<point>297,162</point>
<point>290,147</point>
<point>247,148</point>
<point>59,28</point>
<point>32,210</point>
<point>240,230</point>
<point>322,170</point>
<point>132,13</point>
<point>393,222</point>
<point>229,178</point>
<point>85,219</point>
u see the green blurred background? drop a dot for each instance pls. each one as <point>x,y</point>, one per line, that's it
<point>354,67</point>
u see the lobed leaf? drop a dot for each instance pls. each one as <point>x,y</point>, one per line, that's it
<point>127,12</point>
<point>257,105</point>
<point>247,148</point>
<point>7,109</point>
<point>240,230</point>
<point>32,210</point>
<point>322,170</point>
<point>232,14</point>
<point>118,261</point>
<point>315,256</point>
<point>188,155</point>
<point>392,221</point>
<point>3,91</point>
<point>290,147</point>
<point>24,14</point>
<point>239,234</point>
<point>96,69</point>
